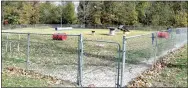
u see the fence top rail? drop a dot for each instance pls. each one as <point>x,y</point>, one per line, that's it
<point>38,33</point>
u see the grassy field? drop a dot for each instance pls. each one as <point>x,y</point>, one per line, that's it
<point>175,72</point>
<point>44,47</point>
<point>17,77</point>
<point>100,34</point>
<point>61,57</point>
<point>73,31</point>
<point>17,80</point>
<point>170,71</point>
<point>47,54</point>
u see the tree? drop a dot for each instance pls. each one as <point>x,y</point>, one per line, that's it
<point>49,13</point>
<point>35,15</point>
<point>108,16</point>
<point>25,13</point>
<point>81,12</point>
<point>126,13</point>
<point>162,14</point>
<point>141,9</point>
<point>181,19</point>
<point>180,9</point>
<point>69,14</point>
<point>90,12</point>
<point>158,13</point>
<point>10,11</point>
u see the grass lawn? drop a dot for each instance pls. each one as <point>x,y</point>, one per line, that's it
<point>100,34</point>
<point>43,47</point>
<point>9,80</point>
<point>171,71</point>
<point>175,72</point>
<point>73,31</point>
<point>48,54</point>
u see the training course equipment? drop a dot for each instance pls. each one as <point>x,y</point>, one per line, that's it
<point>62,28</point>
<point>59,36</point>
<point>162,34</point>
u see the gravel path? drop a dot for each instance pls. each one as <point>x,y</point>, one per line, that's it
<point>98,76</point>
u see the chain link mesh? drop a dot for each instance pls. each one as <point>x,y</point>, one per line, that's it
<point>100,64</point>
<point>14,51</point>
<point>142,51</point>
<point>56,58</point>
<point>139,49</point>
<point>100,67</point>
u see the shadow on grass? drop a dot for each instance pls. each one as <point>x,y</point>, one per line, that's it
<point>105,34</point>
<point>170,65</point>
<point>103,57</point>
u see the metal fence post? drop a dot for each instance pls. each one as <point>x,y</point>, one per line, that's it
<point>156,47</point>
<point>28,45</point>
<point>118,68</point>
<point>123,60</point>
<point>19,43</point>
<point>174,38</point>
<point>7,43</point>
<point>152,38</point>
<point>10,46</point>
<point>80,60</point>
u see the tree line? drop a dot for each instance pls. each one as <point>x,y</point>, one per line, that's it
<point>36,12</point>
<point>157,13</point>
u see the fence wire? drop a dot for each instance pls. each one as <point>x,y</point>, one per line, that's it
<point>139,48</point>
<point>99,67</point>
<point>100,63</point>
<point>14,50</point>
<point>143,50</point>
<point>56,58</point>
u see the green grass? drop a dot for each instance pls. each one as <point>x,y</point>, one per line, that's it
<point>53,54</point>
<point>175,74</point>
<point>98,32</point>
<point>48,52</point>
<point>45,50</point>
<point>21,81</point>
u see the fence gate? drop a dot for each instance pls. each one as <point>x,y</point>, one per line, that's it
<point>101,64</point>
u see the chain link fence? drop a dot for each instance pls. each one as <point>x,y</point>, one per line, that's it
<point>14,50</point>
<point>40,53</point>
<point>101,63</point>
<point>89,61</point>
<point>143,50</point>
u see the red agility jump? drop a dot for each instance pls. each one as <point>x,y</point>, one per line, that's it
<point>163,34</point>
<point>59,36</point>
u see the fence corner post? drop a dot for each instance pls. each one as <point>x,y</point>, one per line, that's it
<point>123,60</point>
<point>28,49</point>
<point>80,60</point>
